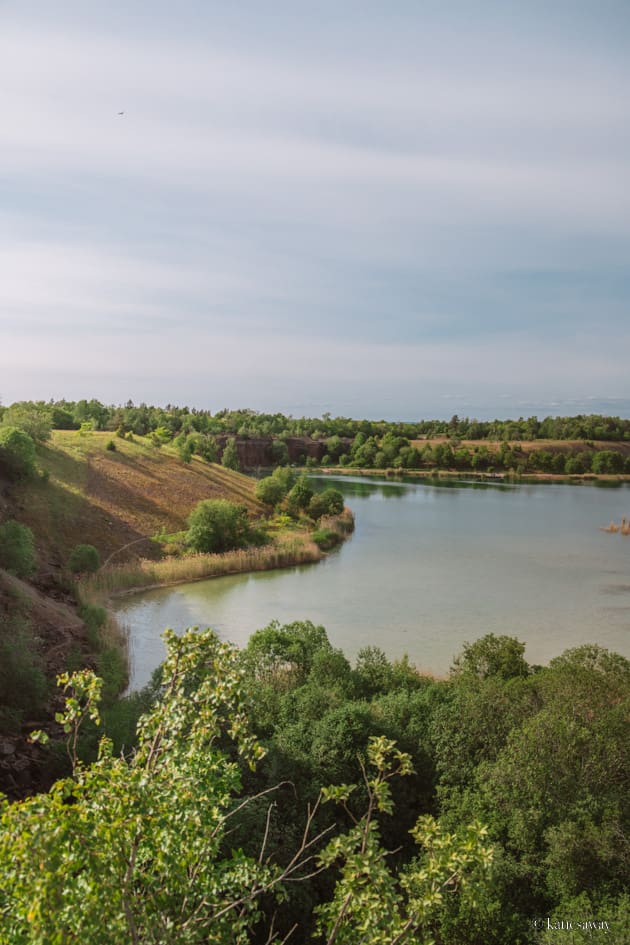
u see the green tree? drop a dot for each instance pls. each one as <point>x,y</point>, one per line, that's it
<point>493,656</point>
<point>333,501</point>
<point>607,462</point>
<point>18,451</point>
<point>217,525</point>
<point>270,491</point>
<point>279,453</point>
<point>328,502</point>
<point>33,419</point>
<point>229,459</point>
<point>370,904</point>
<point>84,559</point>
<point>150,835</point>
<point>299,496</point>
<point>17,549</point>
<point>285,647</point>
<point>285,476</point>
<point>23,685</point>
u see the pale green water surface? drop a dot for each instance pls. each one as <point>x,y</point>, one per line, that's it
<point>429,567</point>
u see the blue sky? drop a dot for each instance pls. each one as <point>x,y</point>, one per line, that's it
<point>385,210</point>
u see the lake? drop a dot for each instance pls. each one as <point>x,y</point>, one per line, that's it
<point>430,566</point>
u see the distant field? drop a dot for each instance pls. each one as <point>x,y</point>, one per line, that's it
<point>527,446</point>
<point>110,498</point>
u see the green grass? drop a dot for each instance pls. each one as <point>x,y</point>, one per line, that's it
<point>292,545</point>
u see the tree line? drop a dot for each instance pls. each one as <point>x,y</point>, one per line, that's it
<point>171,420</point>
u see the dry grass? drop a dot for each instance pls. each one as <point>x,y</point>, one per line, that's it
<point>111,499</point>
<point>529,446</point>
<point>144,573</point>
<point>290,548</point>
<point>613,528</point>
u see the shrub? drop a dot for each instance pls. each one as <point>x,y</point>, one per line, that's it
<point>280,453</point>
<point>84,559</point>
<point>111,446</point>
<point>206,447</point>
<point>326,538</point>
<point>492,655</point>
<point>23,686</point>
<point>333,501</point>
<point>17,549</point>
<point>317,506</point>
<point>607,461</point>
<point>112,668</point>
<point>32,419</point>
<point>286,476</point>
<point>328,502</point>
<point>270,491</point>
<point>18,451</point>
<point>229,458</point>
<point>299,496</point>
<point>94,618</point>
<point>217,525</point>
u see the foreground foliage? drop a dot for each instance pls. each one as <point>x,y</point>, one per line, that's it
<point>216,829</point>
<point>138,849</point>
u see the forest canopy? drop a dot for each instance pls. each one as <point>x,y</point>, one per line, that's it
<point>281,788</point>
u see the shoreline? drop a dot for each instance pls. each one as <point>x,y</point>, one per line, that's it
<point>123,580</point>
<point>389,473</point>
<point>100,589</point>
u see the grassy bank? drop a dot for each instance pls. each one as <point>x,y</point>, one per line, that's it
<point>472,476</point>
<point>287,550</point>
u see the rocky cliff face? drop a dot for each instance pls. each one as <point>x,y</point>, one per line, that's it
<point>257,451</point>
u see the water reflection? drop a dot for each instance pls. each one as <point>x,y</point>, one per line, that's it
<point>446,563</point>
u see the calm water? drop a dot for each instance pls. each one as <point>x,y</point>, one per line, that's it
<point>428,568</point>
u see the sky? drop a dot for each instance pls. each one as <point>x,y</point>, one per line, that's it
<point>375,210</point>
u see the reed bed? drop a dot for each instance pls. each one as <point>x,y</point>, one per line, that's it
<point>288,550</point>
<point>122,578</point>
<point>623,528</point>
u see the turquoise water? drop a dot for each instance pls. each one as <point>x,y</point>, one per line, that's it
<point>429,567</point>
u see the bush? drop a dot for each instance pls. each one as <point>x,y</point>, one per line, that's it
<point>32,419</point>
<point>326,538</point>
<point>94,618</point>
<point>333,501</point>
<point>229,458</point>
<point>111,446</point>
<point>299,496</point>
<point>112,669</point>
<point>607,462</point>
<point>270,491</point>
<point>279,453</point>
<point>285,476</point>
<point>217,525</point>
<point>18,451</point>
<point>84,559</point>
<point>17,549</point>
<point>23,686</point>
<point>317,506</point>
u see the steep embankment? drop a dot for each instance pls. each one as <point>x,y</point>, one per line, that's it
<point>111,498</point>
<point>115,499</point>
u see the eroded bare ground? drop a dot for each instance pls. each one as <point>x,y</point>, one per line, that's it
<point>59,633</point>
<point>154,493</point>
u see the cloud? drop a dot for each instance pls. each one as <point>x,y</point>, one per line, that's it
<point>367,209</point>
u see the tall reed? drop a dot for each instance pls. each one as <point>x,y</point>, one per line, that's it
<point>144,573</point>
